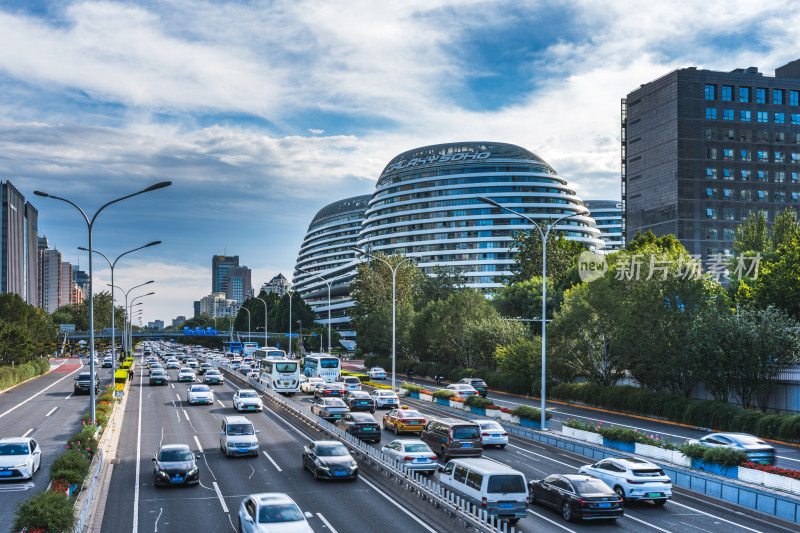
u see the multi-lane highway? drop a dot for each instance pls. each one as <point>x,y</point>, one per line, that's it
<point>43,408</point>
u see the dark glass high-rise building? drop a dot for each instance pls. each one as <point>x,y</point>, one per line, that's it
<point>701,150</point>
<point>19,264</point>
<point>219,271</point>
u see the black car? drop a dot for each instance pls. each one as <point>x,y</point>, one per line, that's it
<point>330,390</point>
<point>329,459</point>
<point>159,377</point>
<point>175,464</point>
<point>204,367</point>
<point>329,408</point>
<point>359,400</point>
<point>576,496</point>
<point>83,384</point>
<point>361,425</point>
<point>477,384</point>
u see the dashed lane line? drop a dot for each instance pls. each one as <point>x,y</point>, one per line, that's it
<point>221,499</point>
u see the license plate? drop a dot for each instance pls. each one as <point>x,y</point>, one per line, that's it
<point>286,383</point>
<point>364,403</point>
<point>506,505</point>
<point>420,460</point>
<point>604,505</point>
<point>655,495</point>
<point>340,473</point>
<point>465,445</point>
<point>6,473</point>
<point>337,416</point>
<point>177,478</point>
<point>368,429</point>
<point>496,435</point>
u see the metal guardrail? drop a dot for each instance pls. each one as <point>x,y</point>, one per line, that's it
<point>425,488</point>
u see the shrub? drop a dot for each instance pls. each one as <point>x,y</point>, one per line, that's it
<point>84,442</point>
<point>71,466</point>
<point>531,413</point>
<point>412,387</point>
<point>725,456</point>
<point>12,375</point>
<point>478,401</point>
<point>48,511</point>
<point>693,451</point>
<point>121,376</point>
<point>794,474</point>
<point>444,394</point>
<point>376,385</point>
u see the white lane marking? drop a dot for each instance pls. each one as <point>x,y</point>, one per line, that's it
<point>714,516</point>
<point>648,524</point>
<point>160,510</point>
<point>138,460</point>
<point>28,432</point>
<point>390,500</point>
<point>68,396</point>
<point>172,385</point>
<point>178,397</point>
<point>253,471</point>
<point>23,402</point>
<point>220,403</point>
<point>565,528</point>
<point>221,499</point>
<point>787,458</point>
<point>328,524</point>
<point>199,446</point>
<point>523,450</point>
<point>271,460</point>
<point>186,415</point>
<point>53,410</point>
<point>160,442</point>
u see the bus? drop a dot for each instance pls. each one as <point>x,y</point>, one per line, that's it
<point>265,354</point>
<point>320,365</point>
<point>281,375</point>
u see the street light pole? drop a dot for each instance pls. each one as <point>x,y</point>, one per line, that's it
<point>124,338</point>
<point>248,321</point>
<point>394,305</point>
<point>113,330</point>
<point>291,293</point>
<point>304,271</point>
<point>266,342</point>
<point>90,227</point>
<point>130,337</point>
<point>544,235</point>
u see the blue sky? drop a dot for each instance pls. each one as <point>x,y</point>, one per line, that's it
<point>261,113</point>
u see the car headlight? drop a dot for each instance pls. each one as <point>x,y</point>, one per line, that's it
<point>324,467</point>
<point>192,472</point>
<point>20,466</point>
<point>353,466</point>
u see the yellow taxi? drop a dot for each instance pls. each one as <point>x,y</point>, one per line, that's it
<point>404,420</point>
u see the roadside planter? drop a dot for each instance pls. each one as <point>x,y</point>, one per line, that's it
<point>493,413</point>
<point>529,423</point>
<point>660,454</point>
<point>713,468</point>
<point>425,397</point>
<point>508,417</point>
<point>478,410</point>
<point>443,401</point>
<point>769,480</point>
<point>620,445</point>
<point>586,436</point>
<point>455,405</point>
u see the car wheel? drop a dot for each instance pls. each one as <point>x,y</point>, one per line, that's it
<point>385,428</point>
<point>620,492</point>
<point>443,454</point>
<point>396,432</point>
<point>316,474</point>
<point>502,446</point>
<point>566,512</point>
<point>660,502</point>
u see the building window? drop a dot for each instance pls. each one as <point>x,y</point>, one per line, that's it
<point>727,93</point>
<point>727,154</point>
<point>761,96</point>
<point>711,213</point>
<point>727,114</point>
<point>795,177</point>
<point>746,175</point>
<point>711,253</point>
<point>744,194</point>
<point>796,197</point>
<point>745,135</point>
<point>763,116</point>
<point>780,196</point>
<point>730,134</point>
<point>711,134</point>
<point>726,174</point>
<point>780,176</point>
<point>745,155</point>
<point>728,234</point>
<point>762,195</point>
<point>744,115</point>
<point>780,137</point>
<point>794,97</point>
<point>780,118</point>
<point>795,158</point>
<point>709,92</point>
<point>727,193</point>
<point>711,193</point>
<point>728,213</point>
<point>780,157</point>
<point>763,156</point>
<point>711,234</point>
<point>795,118</point>
<point>744,94</point>
<point>777,96</point>
<point>711,173</point>
<point>763,175</point>
<point>763,136</point>
<point>711,153</point>
<point>711,113</point>
<point>795,138</point>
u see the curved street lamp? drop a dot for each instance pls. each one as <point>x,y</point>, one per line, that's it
<point>544,235</point>
<point>90,227</point>
<point>248,321</point>
<point>266,343</point>
<point>130,324</point>
<point>125,329</point>
<point>328,283</point>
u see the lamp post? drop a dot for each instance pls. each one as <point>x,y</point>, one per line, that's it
<point>112,265</point>
<point>130,336</point>
<point>291,293</point>
<point>248,321</point>
<point>394,304</point>
<point>125,329</point>
<point>304,271</point>
<point>544,235</point>
<point>266,343</point>
<point>90,226</point>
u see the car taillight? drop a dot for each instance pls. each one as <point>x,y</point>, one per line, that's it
<point>450,436</point>
<point>407,458</point>
<point>433,457</point>
<point>505,434</point>
<point>484,434</point>
<point>483,503</point>
<point>632,482</point>
<point>668,481</point>
<point>527,501</point>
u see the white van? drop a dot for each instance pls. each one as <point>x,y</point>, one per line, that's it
<point>498,489</point>
<point>238,436</point>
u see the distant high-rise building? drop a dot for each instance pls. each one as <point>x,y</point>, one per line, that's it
<point>18,250</point>
<point>219,271</point>
<point>239,286</point>
<point>49,280</point>
<point>155,324</point>
<point>702,150</point>
<point>196,308</point>
<point>66,284</point>
<point>178,320</point>
<point>607,215</point>
<point>216,305</point>
<point>277,285</point>
<point>80,278</point>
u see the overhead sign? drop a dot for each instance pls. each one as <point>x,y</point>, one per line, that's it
<point>199,331</point>
<point>66,327</point>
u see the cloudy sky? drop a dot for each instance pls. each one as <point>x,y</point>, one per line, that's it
<point>263,112</point>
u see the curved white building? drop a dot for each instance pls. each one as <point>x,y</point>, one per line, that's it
<point>607,214</point>
<point>425,205</point>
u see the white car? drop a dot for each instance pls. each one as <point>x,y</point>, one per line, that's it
<point>186,374</point>
<point>351,383</point>
<point>192,363</point>
<point>20,458</point>
<point>385,398</point>
<point>247,400</point>
<point>272,512</point>
<point>632,479</point>
<point>412,454</point>
<point>376,372</point>
<point>199,394</point>
<point>461,390</point>
<point>492,433</point>
<point>309,385</point>
<point>172,363</point>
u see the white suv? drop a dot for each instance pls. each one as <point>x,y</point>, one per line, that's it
<point>247,400</point>
<point>238,436</point>
<point>633,479</point>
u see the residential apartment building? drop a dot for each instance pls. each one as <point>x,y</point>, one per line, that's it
<point>238,285</point>
<point>50,280</point>
<point>277,285</point>
<point>216,305</point>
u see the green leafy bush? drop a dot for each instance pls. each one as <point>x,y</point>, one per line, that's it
<point>531,413</point>
<point>12,375</point>
<point>121,376</point>
<point>478,401</point>
<point>47,511</point>
<point>693,451</point>
<point>444,394</point>
<point>411,387</point>
<point>725,456</point>
<point>71,466</point>
<point>84,442</point>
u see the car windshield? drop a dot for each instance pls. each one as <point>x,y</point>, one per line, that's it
<point>352,380</point>
<point>248,394</point>
<point>589,486</point>
<point>413,448</point>
<point>213,373</point>
<point>466,432</point>
<point>332,451</point>
<point>279,512</point>
<point>175,455</point>
<point>14,449</point>
<point>159,373</point>
<point>409,414</point>
<point>240,429</point>
<point>84,377</point>
<point>506,483</point>
<point>200,388</point>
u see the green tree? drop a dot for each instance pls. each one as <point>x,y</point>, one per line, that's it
<point>561,255</point>
<point>524,299</point>
<point>26,325</point>
<point>438,285</point>
<point>16,345</point>
<point>523,356</point>
<point>753,235</point>
<point>102,313</point>
<point>785,229</point>
<point>778,283</point>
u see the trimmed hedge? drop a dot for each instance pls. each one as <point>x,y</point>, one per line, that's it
<point>71,466</point>
<point>675,408</point>
<point>720,456</point>
<point>479,402</point>
<point>444,394</point>
<point>47,511</point>
<point>12,375</point>
<point>531,413</point>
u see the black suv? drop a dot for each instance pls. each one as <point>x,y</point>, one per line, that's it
<point>477,384</point>
<point>83,384</point>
